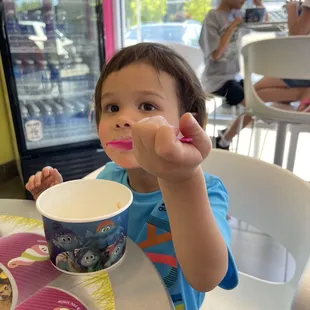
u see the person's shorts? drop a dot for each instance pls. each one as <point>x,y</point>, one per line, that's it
<point>232,91</point>
<point>296,83</point>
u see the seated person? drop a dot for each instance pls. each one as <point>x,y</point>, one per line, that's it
<point>278,90</point>
<point>220,44</point>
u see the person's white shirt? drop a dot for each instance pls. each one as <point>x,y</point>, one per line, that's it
<point>306,3</point>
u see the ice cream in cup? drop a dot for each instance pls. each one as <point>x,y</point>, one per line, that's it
<point>85,224</point>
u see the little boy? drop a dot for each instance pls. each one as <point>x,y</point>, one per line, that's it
<point>146,94</point>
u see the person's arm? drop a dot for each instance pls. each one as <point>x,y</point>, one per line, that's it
<point>225,39</point>
<point>200,233</point>
<point>43,180</point>
<point>259,4</point>
<point>198,242</point>
<point>298,25</point>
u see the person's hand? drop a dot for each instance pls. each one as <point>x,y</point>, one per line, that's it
<point>43,180</point>
<point>292,3</point>
<point>159,153</point>
<point>258,3</point>
<point>238,20</point>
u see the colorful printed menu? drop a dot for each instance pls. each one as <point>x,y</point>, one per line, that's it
<point>29,281</point>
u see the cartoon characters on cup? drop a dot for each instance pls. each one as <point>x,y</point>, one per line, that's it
<point>116,251</point>
<point>92,252</point>
<point>89,259</point>
<point>66,240</point>
<point>107,233</point>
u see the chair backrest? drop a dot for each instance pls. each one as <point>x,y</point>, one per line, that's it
<point>192,55</point>
<point>268,197</point>
<point>93,175</point>
<point>282,57</point>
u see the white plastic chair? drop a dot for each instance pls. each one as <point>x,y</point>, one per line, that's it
<point>282,57</point>
<point>276,202</point>
<point>93,175</point>
<point>192,55</point>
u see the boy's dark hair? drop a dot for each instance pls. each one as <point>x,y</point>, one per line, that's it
<point>165,59</point>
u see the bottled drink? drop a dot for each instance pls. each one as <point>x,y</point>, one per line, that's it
<point>55,74</point>
<point>45,77</point>
<point>60,119</point>
<point>18,70</point>
<point>80,120</point>
<point>66,79</point>
<point>81,79</point>
<point>24,113</point>
<point>49,121</point>
<point>30,77</point>
<point>70,113</point>
<point>33,126</point>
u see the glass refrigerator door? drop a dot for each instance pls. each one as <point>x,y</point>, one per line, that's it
<point>55,54</point>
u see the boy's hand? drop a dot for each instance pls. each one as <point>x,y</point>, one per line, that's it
<point>43,180</point>
<point>238,20</point>
<point>159,152</point>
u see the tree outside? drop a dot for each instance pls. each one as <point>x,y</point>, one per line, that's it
<point>156,10</point>
<point>151,10</point>
<point>197,9</point>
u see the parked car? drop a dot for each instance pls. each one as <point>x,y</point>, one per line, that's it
<point>186,33</point>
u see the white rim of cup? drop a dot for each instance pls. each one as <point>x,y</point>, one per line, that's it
<point>92,219</point>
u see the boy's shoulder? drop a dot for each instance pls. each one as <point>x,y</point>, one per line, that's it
<point>210,16</point>
<point>217,18</point>
<point>213,14</point>
<point>111,172</point>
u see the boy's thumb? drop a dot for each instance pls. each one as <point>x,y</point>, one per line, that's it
<point>190,127</point>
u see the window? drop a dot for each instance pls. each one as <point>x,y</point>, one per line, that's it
<point>164,21</point>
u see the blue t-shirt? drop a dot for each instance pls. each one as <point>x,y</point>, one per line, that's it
<point>149,228</point>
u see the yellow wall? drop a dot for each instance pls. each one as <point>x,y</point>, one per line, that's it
<point>7,137</point>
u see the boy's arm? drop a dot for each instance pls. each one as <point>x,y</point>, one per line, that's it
<point>225,38</point>
<point>298,25</point>
<point>199,245</point>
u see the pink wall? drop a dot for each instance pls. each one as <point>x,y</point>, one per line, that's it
<point>108,28</point>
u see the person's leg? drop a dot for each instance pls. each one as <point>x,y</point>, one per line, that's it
<point>268,89</point>
<point>234,128</point>
<point>234,95</point>
<point>304,105</point>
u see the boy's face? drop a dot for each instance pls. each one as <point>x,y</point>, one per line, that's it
<point>236,4</point>
<point>135,92</point>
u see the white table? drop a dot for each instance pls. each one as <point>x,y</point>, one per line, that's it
<point>135,281</point>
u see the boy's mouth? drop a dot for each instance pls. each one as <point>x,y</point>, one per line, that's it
<point>124,144</point>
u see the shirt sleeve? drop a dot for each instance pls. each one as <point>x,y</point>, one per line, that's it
<point>218,198</point>
<point>209,39</point>
<point>306,3</point>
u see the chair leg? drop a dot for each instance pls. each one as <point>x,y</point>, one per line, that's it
<point>280,144</point>
<point>264,142</point>
<point>240,125</point>
<point>255,132</point>
<point>292,147</point>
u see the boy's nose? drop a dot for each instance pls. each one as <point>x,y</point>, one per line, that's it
<point>124,122</point>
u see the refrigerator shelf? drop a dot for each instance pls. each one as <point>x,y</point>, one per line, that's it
<point>61,141</point>
<point>39,97</point>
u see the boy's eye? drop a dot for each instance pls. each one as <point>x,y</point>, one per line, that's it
<point>112,108</point>
<point>147,106</point>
